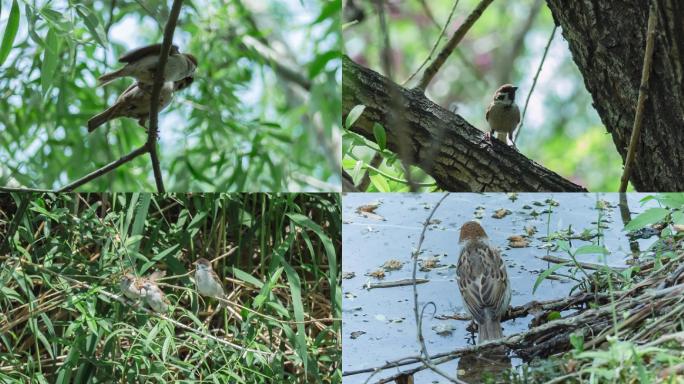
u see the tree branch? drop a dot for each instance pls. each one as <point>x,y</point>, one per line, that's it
<point>443,144</point>
<point>101,171</point>
<point>434,67</point>
<point>153,130</point>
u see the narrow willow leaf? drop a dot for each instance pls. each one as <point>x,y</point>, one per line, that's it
<point>10,32</point>
<point>353,115</point>
<point>47,71</point>
<point>92,23</point>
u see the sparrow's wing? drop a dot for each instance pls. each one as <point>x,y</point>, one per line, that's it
<point>482,280</point>
<point>156,275</point>
<point>149,50</point>
<point>517,115</point>
<point>128,93</point>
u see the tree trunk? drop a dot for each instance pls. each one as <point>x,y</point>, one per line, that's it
<point>607,40</point>
<point>441,143</point>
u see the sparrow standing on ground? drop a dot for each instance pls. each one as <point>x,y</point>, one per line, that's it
<point>207,281</point>
<point>503,114</point>
<point>483,281</point>
<point>141,64</point>
<point>135,102</point>
<point>154,297</point>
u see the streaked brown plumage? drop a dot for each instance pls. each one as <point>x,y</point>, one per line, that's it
<point>483,281</point>
<point>141,64</point>
<point>134,102</point>
<point>503,115</point>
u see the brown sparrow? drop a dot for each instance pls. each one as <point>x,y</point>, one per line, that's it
<point>134,102</point>
<point>141,64</point>
<point>503,114</point>
<point>207,281</point>
<point>483,281</point>
<point>131,286</point>
<point>154,297</point>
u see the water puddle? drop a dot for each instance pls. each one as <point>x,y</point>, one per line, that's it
<point>378,323</point>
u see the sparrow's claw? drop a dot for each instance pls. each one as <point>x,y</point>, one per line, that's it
<point>488,137</point>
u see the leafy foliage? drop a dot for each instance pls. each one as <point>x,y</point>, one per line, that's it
<point>278,255</point>
<point>246,124</point>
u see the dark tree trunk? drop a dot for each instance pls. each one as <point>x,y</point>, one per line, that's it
<point>607,40</point>
<point>443,144</point>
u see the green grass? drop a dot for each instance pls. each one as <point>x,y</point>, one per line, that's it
<point>61,319</point>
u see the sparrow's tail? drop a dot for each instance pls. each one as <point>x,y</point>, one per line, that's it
<point>101,118</point>
<point>111,76</point>
<point>489,330</point>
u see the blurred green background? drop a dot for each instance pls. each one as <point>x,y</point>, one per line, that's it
<point>561,130</point>
<point>242,126</point>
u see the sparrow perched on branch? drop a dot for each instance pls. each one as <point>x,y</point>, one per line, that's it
<point>141,64</point>
<point>154,297</point>
<point>503,114</point>
<point>134,102</point>
<point>131,286</point>
<point>483,281</point>
<point>207,281</point>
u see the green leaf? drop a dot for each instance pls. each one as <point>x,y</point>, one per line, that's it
<point>380,136</point>
<point>353,115</point>
<point>577,341</point>
<point>671,200</point>
<point>47,71</point>
<point>546,274</point>
<point>380,183</point>
<point>678,217</point>
<point>10,32</point>
<point>648,217</point>
<point>591,249</point>
<point>92,23</point>
<point>319,63</point>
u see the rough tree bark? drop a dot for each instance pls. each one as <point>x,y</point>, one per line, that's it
<point>442,143</point>
<point>607,40</point>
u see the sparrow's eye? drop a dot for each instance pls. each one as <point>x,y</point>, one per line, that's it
<point>501,96</point>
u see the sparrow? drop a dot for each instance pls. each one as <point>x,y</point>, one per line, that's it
<point>503,115</point>
<point>134,102</point>
<point>154,297</point>
<point>207,281</point>
<point>483,281</point>
<point>131,286</point>
<point>141,64</point>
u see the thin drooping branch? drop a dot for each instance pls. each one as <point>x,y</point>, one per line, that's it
<point>434,67</point>
<point>153,130</point>
<point>418,315</point>
<point>107,168</point>
<point>442,143</point>
<point>534,82</point>
<point>276,62</point>
<point>641,103</point>
<point>439,38</point>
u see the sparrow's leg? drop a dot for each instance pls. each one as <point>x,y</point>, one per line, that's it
<point>488,137</point>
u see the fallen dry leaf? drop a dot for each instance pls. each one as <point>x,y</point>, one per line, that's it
<point>501,213</point>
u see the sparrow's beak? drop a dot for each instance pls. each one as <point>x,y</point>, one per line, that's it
<point>515,88</point>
